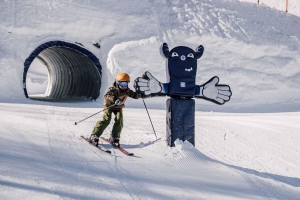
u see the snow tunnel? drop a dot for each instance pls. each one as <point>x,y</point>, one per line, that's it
<point>73,71</point>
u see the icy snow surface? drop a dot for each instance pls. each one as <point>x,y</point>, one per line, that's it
<point>249,150</point>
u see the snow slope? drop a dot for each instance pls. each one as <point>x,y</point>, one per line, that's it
<point>237,156</point>
<point>253,48</point>
<point>293,5</point>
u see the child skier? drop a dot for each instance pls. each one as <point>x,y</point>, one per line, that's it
<point>114,100</point>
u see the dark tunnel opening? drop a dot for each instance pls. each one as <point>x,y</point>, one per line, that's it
<point>73,71</point>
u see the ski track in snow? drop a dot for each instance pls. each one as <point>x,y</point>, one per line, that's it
<point>263,154</point>
<point>60,165</point>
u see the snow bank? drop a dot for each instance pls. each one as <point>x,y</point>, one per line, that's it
<point>251,47</point>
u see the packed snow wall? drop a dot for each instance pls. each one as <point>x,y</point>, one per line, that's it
<point>73,71</point>
<point>253,47</point>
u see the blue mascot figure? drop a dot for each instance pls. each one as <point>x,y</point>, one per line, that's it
<point>181,87</point>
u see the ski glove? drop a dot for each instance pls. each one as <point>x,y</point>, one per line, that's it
<point>213,91</point>
<point>148,86</point>
<point>118,102</point>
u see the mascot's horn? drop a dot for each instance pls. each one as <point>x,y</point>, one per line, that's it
<point>165,50</point>
<point>199,52</point>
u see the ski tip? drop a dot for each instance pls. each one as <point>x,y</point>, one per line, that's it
<point>130,154</point>
<point>83,137</point>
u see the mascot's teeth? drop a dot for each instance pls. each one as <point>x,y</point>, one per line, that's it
<point>188,70</point>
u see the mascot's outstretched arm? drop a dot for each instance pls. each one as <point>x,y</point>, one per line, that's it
<point>212,91</point>
<point>148,86</point>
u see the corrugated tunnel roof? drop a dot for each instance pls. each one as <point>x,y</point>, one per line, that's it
<point>73,71</point>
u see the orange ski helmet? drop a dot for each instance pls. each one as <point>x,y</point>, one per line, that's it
<point>123,77</point>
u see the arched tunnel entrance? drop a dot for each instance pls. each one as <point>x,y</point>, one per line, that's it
<point>73,71</point>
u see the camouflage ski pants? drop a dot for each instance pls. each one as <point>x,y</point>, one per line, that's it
<point>102,124</point>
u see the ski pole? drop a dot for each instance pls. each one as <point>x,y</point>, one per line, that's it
<point>94,114</point>
<point>149,118</point>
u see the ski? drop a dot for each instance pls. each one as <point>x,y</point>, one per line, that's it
<point>98,147</point>
<point>119,148</point>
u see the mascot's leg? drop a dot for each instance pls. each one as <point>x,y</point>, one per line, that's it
<point>180,120</point>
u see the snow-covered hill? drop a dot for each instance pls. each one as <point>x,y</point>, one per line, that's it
<point>291,6</point>
<point>253,48</point>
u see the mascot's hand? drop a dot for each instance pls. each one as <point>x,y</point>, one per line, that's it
<point>148,86</point>
<point>213,92</point>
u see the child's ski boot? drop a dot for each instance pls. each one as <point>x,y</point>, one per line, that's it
<point>94,139</point>
<point>115,141</point>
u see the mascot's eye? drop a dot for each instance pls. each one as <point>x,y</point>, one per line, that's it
<point>174,54</point>
<point>190,55</point>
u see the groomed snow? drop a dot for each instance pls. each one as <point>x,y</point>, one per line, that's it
<point>237,156</point>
